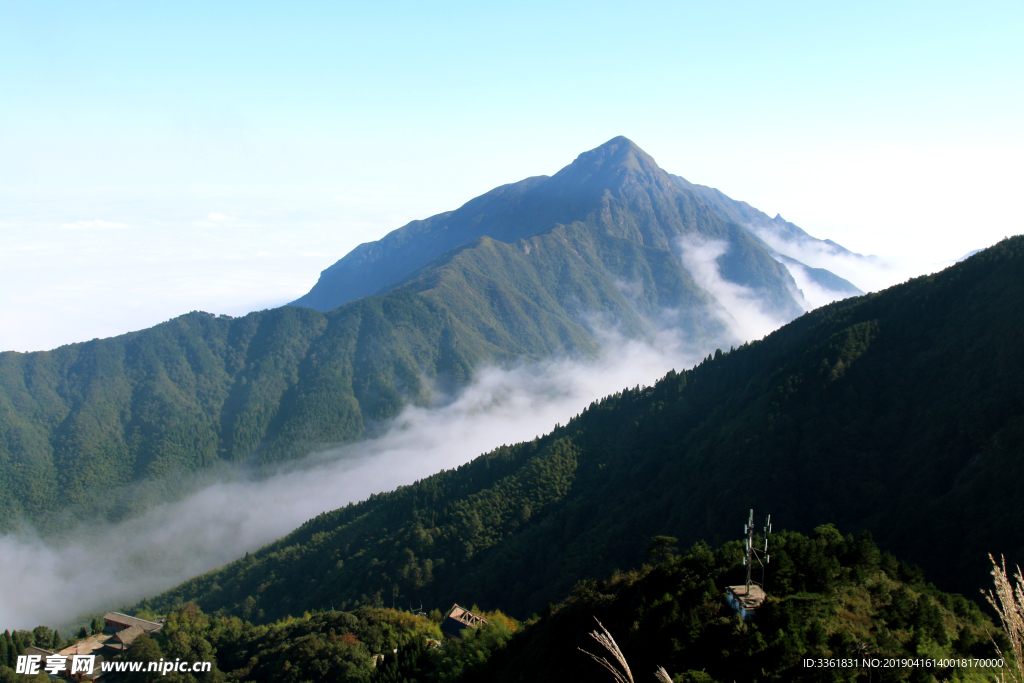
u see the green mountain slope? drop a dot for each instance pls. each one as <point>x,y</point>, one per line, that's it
<point>80,423</point>
<point>85,419</point>
<point>901,413</point>
<point>616,190</point>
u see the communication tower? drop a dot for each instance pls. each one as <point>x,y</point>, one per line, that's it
<point>752,552</point>
<point>747,598</point>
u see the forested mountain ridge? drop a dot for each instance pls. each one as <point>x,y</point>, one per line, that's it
<point>82,420</point>
<point>85,418</point>
<point>80,423</point>
<point>900,412</point>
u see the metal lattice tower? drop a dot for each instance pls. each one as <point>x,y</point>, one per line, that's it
<point>753,553</point>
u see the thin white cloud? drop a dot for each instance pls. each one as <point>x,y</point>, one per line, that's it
<point>95,224</point>
<point>216,219</point>
<point>868,273</point>
<point>740,308</point>
<point>811,295</point>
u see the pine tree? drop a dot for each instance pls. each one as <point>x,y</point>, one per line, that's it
<point>3,650</point>
<point>42,637</point>
<point>12,655</point>
<point>19,646</point>
<point>662,548</point>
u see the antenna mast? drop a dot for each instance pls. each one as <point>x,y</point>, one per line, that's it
<point>753,553</point>
<point>748,532</point>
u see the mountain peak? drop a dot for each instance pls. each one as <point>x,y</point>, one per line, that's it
<point>619,151</point>
<point>613,161</point>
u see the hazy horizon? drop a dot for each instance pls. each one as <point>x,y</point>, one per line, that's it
<point>108,278</point>
<point>165,158</point>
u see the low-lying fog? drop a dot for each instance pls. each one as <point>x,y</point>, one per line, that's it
<point>107,566</point>
<point>100,567</point>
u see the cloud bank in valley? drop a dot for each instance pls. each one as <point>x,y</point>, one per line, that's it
<point>811,295</point>
<point>739,308</point>
<point>869,273</point>
<point>98,567</point>
<point>102,567</point>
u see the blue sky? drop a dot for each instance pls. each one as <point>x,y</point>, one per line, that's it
<point>157,158</point>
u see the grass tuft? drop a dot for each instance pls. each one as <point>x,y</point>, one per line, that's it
<point>1008,602</point>
<point>618,668</point>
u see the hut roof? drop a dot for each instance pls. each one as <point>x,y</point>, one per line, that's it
<point>460,618</point>
<point>127,636</point>
<point>87,646</point>
<point>463,615</point>
<point>125,621</point>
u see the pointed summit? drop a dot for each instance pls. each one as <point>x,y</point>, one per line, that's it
<point>611,164</point>
<point>579,192</point>
<point>619,151</point>
<point>613,192</point>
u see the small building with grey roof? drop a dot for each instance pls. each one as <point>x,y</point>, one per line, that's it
<point>115,621</point>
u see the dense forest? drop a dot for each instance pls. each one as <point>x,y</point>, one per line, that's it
<point>829,596</point>
<point>901,413</point>
<point>80,423</point>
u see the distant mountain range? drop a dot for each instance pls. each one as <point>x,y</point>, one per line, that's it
<point>520,273</point>
<point>900,413</point>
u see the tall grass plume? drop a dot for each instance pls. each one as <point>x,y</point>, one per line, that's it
<point>618,668</point>
<point>1008,602</point>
